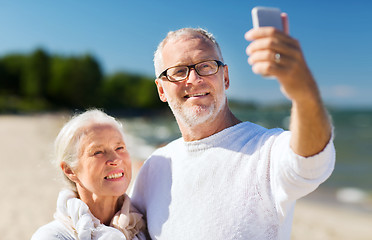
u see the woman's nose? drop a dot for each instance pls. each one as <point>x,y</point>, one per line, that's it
<point>113,159</point>
<point>112,162</point>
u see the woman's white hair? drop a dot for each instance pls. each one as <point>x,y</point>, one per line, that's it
<point>175,35</point>
<point>67,143</point>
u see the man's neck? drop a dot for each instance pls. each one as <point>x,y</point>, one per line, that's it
<point>196,132</point>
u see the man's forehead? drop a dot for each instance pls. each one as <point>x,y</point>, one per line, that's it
<point>187,49</point>
<point>195,44</point>
<point>190,37</point>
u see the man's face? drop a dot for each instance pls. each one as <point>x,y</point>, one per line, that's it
<point>196,99</point>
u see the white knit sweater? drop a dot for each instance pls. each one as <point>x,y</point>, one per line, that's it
<point>241,183</point>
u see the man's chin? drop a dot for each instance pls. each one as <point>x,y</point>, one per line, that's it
<point>196,116</point>
<point>193,115</point>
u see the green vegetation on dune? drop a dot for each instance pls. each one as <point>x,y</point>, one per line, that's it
<point>40,81</point>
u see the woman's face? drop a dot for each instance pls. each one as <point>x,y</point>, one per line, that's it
<point>104,167</point>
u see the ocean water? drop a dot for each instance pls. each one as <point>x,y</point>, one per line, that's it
<point>353,142</point>
<point>352,139</point>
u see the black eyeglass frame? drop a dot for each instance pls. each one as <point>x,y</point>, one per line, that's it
<point>164,73</point>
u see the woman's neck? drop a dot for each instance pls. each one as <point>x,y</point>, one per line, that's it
<point>103,208</point>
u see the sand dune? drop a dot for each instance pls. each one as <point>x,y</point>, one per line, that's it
<point>30,184</point>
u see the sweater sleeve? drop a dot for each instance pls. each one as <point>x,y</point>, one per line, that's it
<point>137,193</point>
<point>294,176</point>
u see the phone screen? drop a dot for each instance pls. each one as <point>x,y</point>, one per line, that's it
<point>267,16</point>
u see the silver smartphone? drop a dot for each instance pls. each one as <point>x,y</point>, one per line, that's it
<point>267,16</point>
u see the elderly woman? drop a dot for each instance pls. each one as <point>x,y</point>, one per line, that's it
<point>91,152</point>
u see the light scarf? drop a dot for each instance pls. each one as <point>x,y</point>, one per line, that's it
<point>81,223</point>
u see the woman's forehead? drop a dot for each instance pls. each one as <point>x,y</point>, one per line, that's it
<point>101,132</point>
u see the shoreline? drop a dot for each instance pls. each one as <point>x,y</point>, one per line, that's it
<point>30,185</point>
<point>349,198</point>
<point>316,220</point>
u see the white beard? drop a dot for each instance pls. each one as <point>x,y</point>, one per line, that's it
<point>192,116</point>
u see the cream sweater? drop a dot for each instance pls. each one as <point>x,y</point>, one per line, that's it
<point>241,183</point>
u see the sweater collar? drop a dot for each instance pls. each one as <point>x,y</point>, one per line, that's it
<point>215,140</point>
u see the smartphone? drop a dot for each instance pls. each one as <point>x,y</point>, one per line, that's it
<point>267,16</point>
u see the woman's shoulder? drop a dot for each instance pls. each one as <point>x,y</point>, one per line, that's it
<point>54,230</point>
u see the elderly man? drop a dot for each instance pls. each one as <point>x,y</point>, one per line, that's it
<point>227,179</point>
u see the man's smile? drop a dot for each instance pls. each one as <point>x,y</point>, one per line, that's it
<point>196,95</point>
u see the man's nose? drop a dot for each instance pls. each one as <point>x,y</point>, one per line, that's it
<point>193,76</point>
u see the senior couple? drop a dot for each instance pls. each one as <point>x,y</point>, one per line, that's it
<point>223,179</point>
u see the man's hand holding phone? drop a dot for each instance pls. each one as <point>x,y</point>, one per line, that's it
<point>272,52</point>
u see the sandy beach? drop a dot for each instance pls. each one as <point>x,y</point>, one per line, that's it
<point>30,184</point>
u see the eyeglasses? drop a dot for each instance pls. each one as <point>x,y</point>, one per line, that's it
<point>180,73</point>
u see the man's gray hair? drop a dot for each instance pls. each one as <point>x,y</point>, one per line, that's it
<point>175,35</point>
<point>67,143</point>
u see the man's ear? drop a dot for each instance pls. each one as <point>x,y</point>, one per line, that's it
<point>226,76</point>
<point>160,90</point>
<point>67,170</point>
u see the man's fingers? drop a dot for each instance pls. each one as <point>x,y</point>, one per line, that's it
<point>268,56</point>
<point>285,21</point>
<point>273,45</point>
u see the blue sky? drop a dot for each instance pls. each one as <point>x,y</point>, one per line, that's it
<point>336,37</point>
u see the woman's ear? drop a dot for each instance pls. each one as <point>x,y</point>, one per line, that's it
<point>67,170</point>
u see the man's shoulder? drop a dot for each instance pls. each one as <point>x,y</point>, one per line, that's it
<point>252,130</point>
<point>162,155</point>
<point>54,230</point>
<point>163,150</point>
